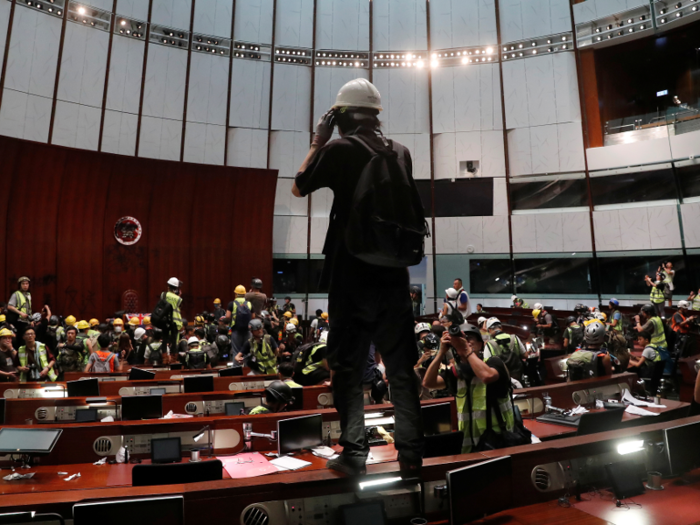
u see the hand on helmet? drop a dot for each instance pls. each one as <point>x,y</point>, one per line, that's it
<point>324,128</point>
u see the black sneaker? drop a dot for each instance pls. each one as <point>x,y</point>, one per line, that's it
<point>410,469</point>
<point>349,468</point>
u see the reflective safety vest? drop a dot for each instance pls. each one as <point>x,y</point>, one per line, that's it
<point>658,354</point>
<point>696,303</point>
<point>262,409</point>
<point>472,420</point>
<point>24,303</point>
<point>40,350</point>
<point>310,365</point>
<point>658,337</point>
<point>618,326</point>
<point>291,384</point>
<point>507,348</point>
<point>263,355</point>
<point>677,327</point>
<point>656,296</point>
<point>175,301</point>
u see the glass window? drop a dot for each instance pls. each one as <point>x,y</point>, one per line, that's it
<point>464,198</point>
<point>689,177</point>
<point>554,276</point>
<point>625,275</point>
<point>558,193</point>
<point>490,276</point>
<point>634,187</point>
<point>289,275</point>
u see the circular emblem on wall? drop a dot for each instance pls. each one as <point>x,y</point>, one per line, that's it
<point>127,231</point>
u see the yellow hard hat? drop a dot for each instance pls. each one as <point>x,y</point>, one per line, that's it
<point>70,320</point>
<point>217,301</point>
<point>199,321</point>
<point>6,333</point>
<point>294,321</point>
<point>94,322</point>
<point>324,315</point>
<point>83,325</point>
<point>118,322</point>
<point>240,290</point>
<point>147,320</point>
<point>2,318</point>
<point>134,321</point>
<point>535,313</point>
<point>288,315</point>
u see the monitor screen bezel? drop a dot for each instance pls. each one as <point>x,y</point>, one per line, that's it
<point>161,440</point>
<point>427,408</point>
<point>58,431</point>
<point>90,380</point>
<point>89,409</point>
<point>233,403</point>
<point>672,471</point>
<point>98,504</point>
<point>141,397</point>
<point>279,435</point>
<point>196,377</point>
<point>137,371</point>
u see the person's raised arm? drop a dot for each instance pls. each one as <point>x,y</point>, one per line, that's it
<point>432,379</point>
<point>324,132</point>
<point>483,371</point>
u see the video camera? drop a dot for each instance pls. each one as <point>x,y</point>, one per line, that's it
<point>457,320</point>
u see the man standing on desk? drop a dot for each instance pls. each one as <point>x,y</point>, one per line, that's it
<point>358,164</point>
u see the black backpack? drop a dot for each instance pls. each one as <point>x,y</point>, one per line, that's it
<point>243,316</point>
<point>196,360</point>
<point>162,314</point>
<point>510,358</point>
<point>300,355</point>
<point>386,225</point>
<point>576,336</point>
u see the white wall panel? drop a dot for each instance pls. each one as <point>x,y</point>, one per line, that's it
<point>400,25</point>
<point>606,225</point>
<point>205,143</point>
<point>483,146</point>
<point>83,65</point>
<point>457,23</point>
<point>164,89</point>
<point>519,152</point>
<point>446,235</point>
<point>570,144</point>
<point>25,116</point>
<point>4,26</point>
<point>577,232</point>
<point>550,232</point>
<point>524,233</point>
<point>328,81</point>
<point>633,154</point>
<point>289,234</point>
<point>253,21</point>
<point>500,196</point>
<point>419,147</point>
<point>455,235</point>
<point>288,150</point>
<point>76,126</point>
<point>321,202</point>
<point>319,228</point>
<point>295,23</point>
<point>634,229</point>
<point>172,13</point>
<point>291,101</point>
<point>125,71</point>
<point>160,138</point>
<point>105,5</point>
<point>541,99</point>
<point>649,228</point>
<point>685,145</point>
<point>404,99</point>
<point>545,149</point>
<point>566,96</point>
<point>250,94</point>
<point>247,148</point>
<point>521,19</point>
<point>495,234</point>
<point>133,8</point>
<point>342,24</point>
<point>213,17</point>
<point>206,100</point>
<point>515,94</point>
<point>33,53</point>
<point>119,133</point>
<point>664,229</point>
<point>691,219</point>
<point>288,204</point>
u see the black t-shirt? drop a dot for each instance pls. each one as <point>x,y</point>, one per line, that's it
<point>8,363</point>
<point>338,166</point>
<point>694,409</point>
<point>499,388</point>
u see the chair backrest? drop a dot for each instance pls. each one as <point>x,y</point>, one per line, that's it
<point>595,422</point>
<point>449,444</point>
<point>176,473</point>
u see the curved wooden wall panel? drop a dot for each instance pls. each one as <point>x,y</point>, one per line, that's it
<point>209,226</point>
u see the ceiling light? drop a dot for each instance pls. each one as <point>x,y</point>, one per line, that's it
<point>465,60</point>
<point>123,22</point>
<point>81,10</point>
<point>489,50</point>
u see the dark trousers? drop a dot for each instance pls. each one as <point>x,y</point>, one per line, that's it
<point>384,316</point>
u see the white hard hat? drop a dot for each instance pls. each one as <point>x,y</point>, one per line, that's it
<point>422,327</point>
<point>683,304</point>
<point>451,293</point>
<point>359,93</point>
<point>174,281</point>
<point>513,297</point>
<point>481,320</point>
<point>139,333</point>
<point>291,328</point>
<point>492,321</point>
<point>324,337</point>
<point>192,340</point>
<point>538,306</point>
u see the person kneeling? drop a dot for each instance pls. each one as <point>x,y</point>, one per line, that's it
<point>277,396</point>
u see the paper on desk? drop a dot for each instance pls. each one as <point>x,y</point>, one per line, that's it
<point>172,415</point>
<point>578,410</point>
<point>629,398</point>
<point>247,465</point>
<point>289,463</point>
<point>72,477</point>
<point>534,439</point>
<point>323,452</point>
<point>631,409</point>
<point>100,462</point>
<point>107,419</point>
<point>17,475</point>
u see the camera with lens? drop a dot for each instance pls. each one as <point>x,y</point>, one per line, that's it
<point>456,319</point>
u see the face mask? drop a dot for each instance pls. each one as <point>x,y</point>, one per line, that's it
<point>117,329</point>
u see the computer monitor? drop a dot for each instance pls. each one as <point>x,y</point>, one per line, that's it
<point>234,409</point>
<point>366,513</point>
<point>175,366</point>
<point>682,448</point>
<point>594,422</point>
<point>440,445</point>
<point>2,410</point>
<point>168,510</point>
<point>86,415</point>
<point>298,433</point>
<point>166,450</point>
<point>625,478</point>
<point>198,384</point>
<point>230,372</point>
<point>477,490</point>
<point>136,374</point>
<point>437,419</point>
<point>32,441</point>
<point>83,388</point>
<point>142,407</point>
<point>157,391</point>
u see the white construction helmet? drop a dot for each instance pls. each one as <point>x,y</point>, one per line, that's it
<point>359,93</point>
<point>683,304</point>
<point>491,322</point>
<point>291,328</point>
<point>538,306</point>
<point>139,333</point>
<point>513,297</point>
<point>422,327</point>
<point>174,281</point>
<point>451,293</point>
<point>480,320</point>
<point>192,341</point>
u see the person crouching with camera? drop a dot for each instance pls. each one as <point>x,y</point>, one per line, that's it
<point>472,380</point>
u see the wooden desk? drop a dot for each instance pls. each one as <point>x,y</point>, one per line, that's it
<point>549,513</point>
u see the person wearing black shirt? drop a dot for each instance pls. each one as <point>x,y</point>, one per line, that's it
<point>366,303</point>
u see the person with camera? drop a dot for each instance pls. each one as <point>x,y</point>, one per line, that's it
<point>36,363</point>
<point>681,323</point>
<point>653,324</point>
<point>656,295</point>
<point>669,273</point>
<point>694,300</point>
<point>19,307</point>
<point>471,380</point>
<point>383,312</point>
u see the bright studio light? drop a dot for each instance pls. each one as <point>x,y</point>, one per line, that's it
<point>81,10</point>
<point>629,447</point>
<point>378,482</point>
